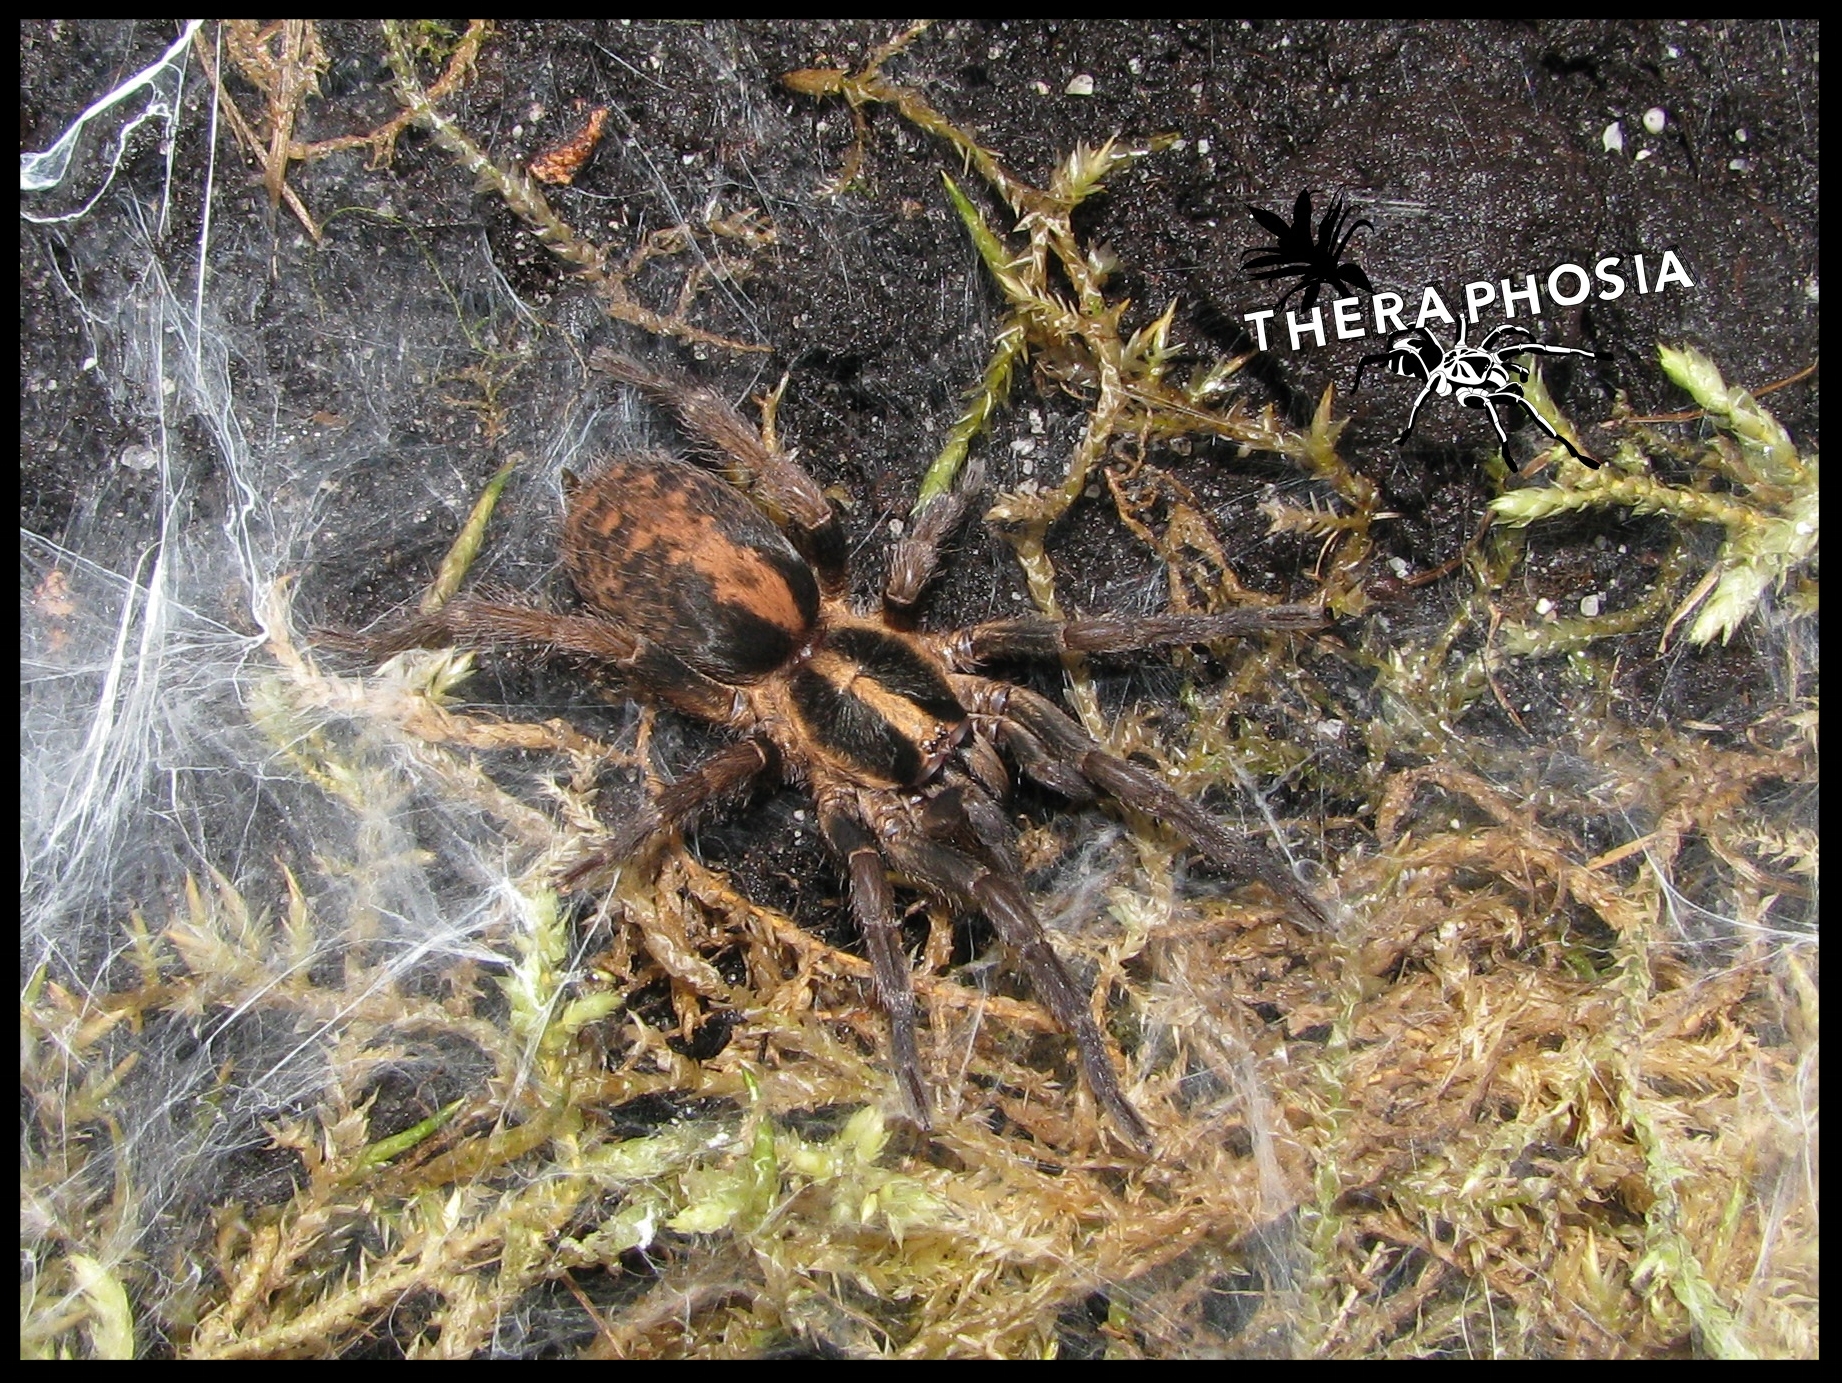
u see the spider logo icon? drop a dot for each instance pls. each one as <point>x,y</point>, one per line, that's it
<point>1316,262</point>
<point>1477,375</point>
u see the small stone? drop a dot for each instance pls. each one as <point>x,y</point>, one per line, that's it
<point>1589,605</point>
<point>1655,119</point>
<point>1613,140</point>
<point>1081,85</point>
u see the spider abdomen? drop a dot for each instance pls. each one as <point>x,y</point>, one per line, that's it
<point>675,556</point>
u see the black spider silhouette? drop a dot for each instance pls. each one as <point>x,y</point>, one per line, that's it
<point>1316,262</point>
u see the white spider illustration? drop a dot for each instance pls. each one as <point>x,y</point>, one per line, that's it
<point>1476,375</point>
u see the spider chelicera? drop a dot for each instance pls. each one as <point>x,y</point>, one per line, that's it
<point>699,602</point>
<point>1316,262</point>
<point>1477,376</point>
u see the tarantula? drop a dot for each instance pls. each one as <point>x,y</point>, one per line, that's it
<point>1318,262</point>
<point>699,602</point>
<point>1477,376</point>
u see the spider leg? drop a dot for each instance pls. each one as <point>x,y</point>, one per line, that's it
<point>1414,412</point>
<point>1495,332</point>
<point>1491,409</point>
<point>873,905</point>
<point>1536,348</point>
<point>976,884</point>
<point>1374,358</point>
<point>1280,306</point>
<point>1040,766</point>
<point>957,810</point>
<point>1064,740</point>
<point>473,623</point>
<point>469,622</point>
<point>1514,393</point>
<point>1349,235</point>
<point>783,489</point>
<point>916,557</point>
<point>725,772</point>
<point>1037,636</point>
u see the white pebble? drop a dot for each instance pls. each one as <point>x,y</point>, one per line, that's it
<point>1655,119</point>
<point>1081,85</point>
<point>1544,606</point>
<point>1589,605</point>
<point>1613,140</point>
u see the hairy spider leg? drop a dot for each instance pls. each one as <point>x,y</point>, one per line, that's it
<point>1049,734</point>
<point>1054,751</point>
<point>783,491</point>
<point>873,907</point>
<point>469,622</point>
<point>981,885</point>
<point>1038,636</point>
<point>680,804</point>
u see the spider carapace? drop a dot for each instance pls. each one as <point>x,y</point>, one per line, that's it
<point>701,602</point>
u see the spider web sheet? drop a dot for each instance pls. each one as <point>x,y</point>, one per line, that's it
<point>315,1064</point>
